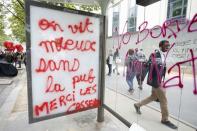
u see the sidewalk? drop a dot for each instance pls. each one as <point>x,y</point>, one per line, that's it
<point>149,119</point>
<point>14,115</point>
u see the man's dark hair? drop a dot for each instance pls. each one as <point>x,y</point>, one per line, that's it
<point>161,43</point>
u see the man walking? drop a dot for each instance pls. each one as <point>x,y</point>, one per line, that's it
<point>157,69</point>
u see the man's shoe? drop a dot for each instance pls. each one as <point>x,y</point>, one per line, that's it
<point>137,109</point>
<point>169,124</point>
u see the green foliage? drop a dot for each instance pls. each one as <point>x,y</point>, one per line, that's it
<point>17,21</point>
<point>70,6</point>
<point>3,36</point>
<point>90,8</point>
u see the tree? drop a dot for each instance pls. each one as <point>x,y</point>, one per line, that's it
<point>90,8</point>
<point>70,5</point>
<point>17,21</point>
<point>3,36</point>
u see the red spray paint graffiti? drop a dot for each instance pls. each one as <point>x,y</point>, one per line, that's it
<point>165,31</point>
<point>44,24</point>
<point>178,64</point>
<point>59,45</point>
<point>67,99</point>
<point>79,28</point>
<point>52,65</point>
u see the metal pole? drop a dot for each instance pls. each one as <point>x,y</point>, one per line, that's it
<point>100,114</point>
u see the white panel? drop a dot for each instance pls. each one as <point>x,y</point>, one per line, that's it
<point>80,61</point>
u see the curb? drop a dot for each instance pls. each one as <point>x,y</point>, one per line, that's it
<point>4,81</point>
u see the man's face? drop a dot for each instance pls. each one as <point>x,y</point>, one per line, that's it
<point>165,47</point>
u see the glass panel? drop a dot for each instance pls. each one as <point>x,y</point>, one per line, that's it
<point>176,9</point>
<point>131,29</point>
<point>115,25</point>
<point>176,12</point>
<point>185,2</point>
<point>170,1</point>
<point>169,11</point>
<point>134,71</point>
<point>132,20</point>
<point>177,4</point>
<point>184,11</point>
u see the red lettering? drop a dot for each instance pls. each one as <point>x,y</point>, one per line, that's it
<point>52,65</point>
<point>47,107</point>
<point>127,34</point>
<point>154,28</point>
<point>166,25</point>
<point>179,76</point>
<point>45,24</point>
<point>53,88</point>
<point>89,78</point>
<point>53,105</point>
<point>144,24</point>
<point>194,20</point>
<point>178,23</point>
<point>41,108</point>
<point>62,100</point>
<point>58,45</point>
<point>78,106</point>
<point>71,108</point>
<point>69,97</point>
<point>83,105</point>
<point>175,77</point>
<point>166,30</point>
<point>80,28</point>
<point>49,45</point>
<point>88,90</point>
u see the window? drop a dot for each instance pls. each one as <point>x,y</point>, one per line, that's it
<point>132,19</point>
<point>115,20</point>
<point>177,9</point>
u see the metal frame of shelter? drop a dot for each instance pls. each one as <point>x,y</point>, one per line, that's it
<point>28,51</point>
<point>100,115</point>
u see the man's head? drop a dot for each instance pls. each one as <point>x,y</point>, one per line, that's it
<point>131,51</point>
<point>164,45</point>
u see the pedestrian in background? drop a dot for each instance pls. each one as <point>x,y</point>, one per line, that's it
<point>130,69</point>
<point>24,58</point>
<point>19,58</point>
<point>157,70</point>
<point>110,62</point>
<point>141,69</point>
<point>117,61</point>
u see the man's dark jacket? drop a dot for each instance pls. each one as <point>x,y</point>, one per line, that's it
<point>156,70</point>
